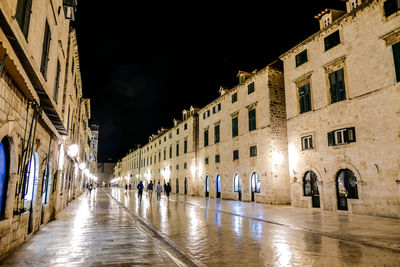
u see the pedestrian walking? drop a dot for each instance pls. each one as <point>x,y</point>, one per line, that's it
<point>159,190</point>
<point>168,190</point>
<point>140,190</point>
<point>150,189</point>
<point>126,188</point>
<point>90,188</point>
<point>165,191</point>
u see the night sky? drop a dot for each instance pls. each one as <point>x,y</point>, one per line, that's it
<point>142,64</point>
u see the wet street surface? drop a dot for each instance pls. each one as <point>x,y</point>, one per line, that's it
<point>112,227</point>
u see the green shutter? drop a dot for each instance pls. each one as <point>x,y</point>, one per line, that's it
<point>341,90</point>
<point>235,127</point>
<point>396,57</point>
<point>332,83</point>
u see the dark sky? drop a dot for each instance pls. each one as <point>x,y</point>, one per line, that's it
<point>142,64</point>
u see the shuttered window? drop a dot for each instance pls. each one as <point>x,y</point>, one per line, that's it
<point>235,154</point>
<point>235,130</point>
<point>396,57</point>
<point>57,82</point>
<point>342,136</point>
<point>185,146</point>
<point>253,151</point>
<point>332,40</point>
<point>252,120</point>
<point>23,15</point>
<point>337,86</point>
<point>234,97</point>
<point>304,98</point>
<point>45,51</point>
<point>216,134</point>
<point>206,138</point>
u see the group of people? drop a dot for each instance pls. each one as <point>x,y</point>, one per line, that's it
<point>150,188</point>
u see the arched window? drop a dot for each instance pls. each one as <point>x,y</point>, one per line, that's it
<point>255,183</point>
<point>347,184</point>
<point>4,174</point>
<point>310,184</point>
<point>236,183</point>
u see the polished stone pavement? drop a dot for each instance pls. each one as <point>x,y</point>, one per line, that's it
<point>112,227</point>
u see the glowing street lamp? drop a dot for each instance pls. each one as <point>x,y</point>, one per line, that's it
<point>82,166</point>
<point>73,150</point>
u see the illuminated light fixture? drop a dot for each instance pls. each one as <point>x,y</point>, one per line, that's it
<point>82,166</point>
<point>73,150</point>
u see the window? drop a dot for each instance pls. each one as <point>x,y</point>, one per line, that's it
<point>250,88</point>
<point>219,107</point>
<point>235,129</point>
<point>391,7</point>
<point>170,152</point>
<point>177,131</point>
<point>253,151</point>
<point>45,51</point>
<point>396,57</point>
<point>235,154</point>
<point>206,161</point>
<point>217,159</point>
<point>337,86</point>
<point>306,142</point>
<point>327,21</point>
<point>354,4</point>
<point>185,146</point>
<point>304,98</point>
<point>234,97</point>
<point>213,109</point>
<point>165,154</point>
<point>301,58</point>
<point>56,85</point>
<point>236,183</point>
<point>23,15</point>
<point>177,149</point>
<point>342,136</point>
<point>170,135</point>
<point>332,40</point>
<point>159,156</point>
<point>252,119</point>
<point>205,137</point>
<point>165,139</point>
<point>216,134</point>
<point>185,126</point>
<point>177,167</point>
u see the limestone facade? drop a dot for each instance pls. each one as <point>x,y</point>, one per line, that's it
<point>37,89</point>
<point>243,140</point>
<point>342,103</point>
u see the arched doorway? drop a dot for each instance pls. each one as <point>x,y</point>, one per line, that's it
<point>185,186</point>
<point>346,187</point>
<point>4,174</point>
<point>310,186</point>
<point>177,185</point>
<point>207,187</point>
<point>237,186</point>
<point>30,188</point>
<point>255,185</point>
<point>218,186</point>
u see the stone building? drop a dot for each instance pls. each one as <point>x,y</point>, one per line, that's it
<point>169,156</point>
<point>39,116</point>
<point>342,104</point>
<point>243,148</point>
